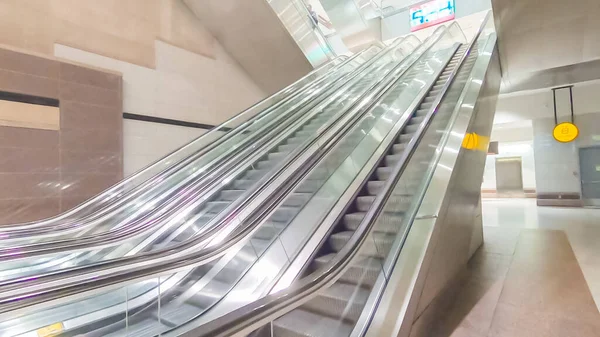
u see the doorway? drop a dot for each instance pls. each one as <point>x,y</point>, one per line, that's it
<point>589,166</point>
<point>509,176</point>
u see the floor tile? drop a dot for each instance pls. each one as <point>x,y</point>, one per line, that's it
<point>544,288</point>
<point>511,321</point>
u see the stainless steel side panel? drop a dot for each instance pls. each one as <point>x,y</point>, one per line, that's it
<point>440,240</point>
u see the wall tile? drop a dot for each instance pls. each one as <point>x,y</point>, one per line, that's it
<point>82,75</point>
<point>68,202</point>
<point>75,115</point>
<point>86,184</point>
<point>28,84</point>
<point>29,64</point>
<point>28,138</point>
<point>145,143</point>
<point>71,91</point>
<point>139,104</point>
<point>90,162</point>
<point>24,160</point>
<point>24,210</point>
<point>184,86</point>
<point>29,185</point>
<point>40,169</point>
<point>100,140</point>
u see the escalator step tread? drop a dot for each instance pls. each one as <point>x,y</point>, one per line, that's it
<point>375,186</point>
<point>398,148</point>
<point>352,220</point>
<point>216,206</point>
<point>363,262</point>
<point>243,184</point>
<point>386,223</point>
<point>405,138</point>
<point>254,174</point>
<point>364,202</point>
<point>277,155</point>
<point>379,248</point>
<point>287,147</point>
<point>302,323</point>
<point>342,301</point>
<point>266,164</point>
<point>230,195</point>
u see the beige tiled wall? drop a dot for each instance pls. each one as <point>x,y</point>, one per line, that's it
<point>123,30</point>
<point>43,172</point>
<point>184,86</point>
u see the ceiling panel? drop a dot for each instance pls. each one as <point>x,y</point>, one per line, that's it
<point>546,41</point>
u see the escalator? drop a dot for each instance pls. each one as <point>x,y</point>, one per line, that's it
<point>344,300</point>
<point>342,283</point>
<point>403,131</point>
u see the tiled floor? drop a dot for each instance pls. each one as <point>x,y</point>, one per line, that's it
<point>508,286</point>
<point>504,218</point>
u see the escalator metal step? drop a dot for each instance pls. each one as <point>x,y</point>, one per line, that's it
<point>266,164</point>
<point>277,155</point>
<point>255,174</point>
<point>375,186</point>
<point>405,138</point>
<point>214,207</point>
<point>421,112</point>
<point>287,147</point>
<point>386,223</point>
<point>295,140</point>
<point>243,184</point>
<point>411,128</point>
<point>364,202</point>
<point>302,323</point>
<point>378,247</point>
<point>341,301</point>
<point>384,172</point>
<point>364,270</point>
<point>230,195</point>
<point>398,148</point>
